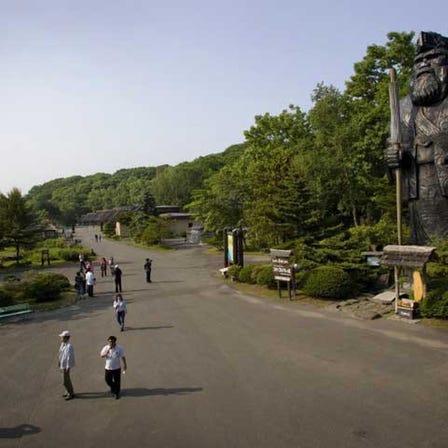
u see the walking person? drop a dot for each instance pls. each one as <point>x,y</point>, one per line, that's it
<point>117,274</point>
<point>111,265</point>
<point>114,355</point>
<point>103,267</point>
<point>90,282</point>
<point>82,264</point>
<point>66,361</point>
<point>84,283</point>
<point>80,284</point>
<point>120,310</point>
<point>148,266</point>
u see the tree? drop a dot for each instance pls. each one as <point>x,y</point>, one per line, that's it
<point>220,203</point>
<point>18,223</point>
<point>175,185</point>
<point>288,129</point>
<point>156,229</point>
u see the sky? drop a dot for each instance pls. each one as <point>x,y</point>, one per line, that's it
<point>100,85</point>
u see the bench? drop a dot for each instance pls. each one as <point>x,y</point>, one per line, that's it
<point>15,310</point>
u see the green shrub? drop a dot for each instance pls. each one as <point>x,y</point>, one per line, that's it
<point>53,242</point>
<point>46,287</point>
<point>61,280</point>
<point>255,270</point>
<point>435,270</point>
<point>234,272</point>
<point>245,274</point>
<point>109,229</point>
<point>13,289</point>
<point>265,276</point>
<point>300,278</point>
<point>6,298</point>
<point>435,305</point>
<point>70,254</point>
<point>11,278</point>
<point>328,282</point>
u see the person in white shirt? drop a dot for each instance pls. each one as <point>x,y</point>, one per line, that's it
<point>120,310</point>
<point>114,354</point>
<point>90,282</point>
<point>66,361</point>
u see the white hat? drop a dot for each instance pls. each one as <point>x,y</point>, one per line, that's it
<point>64,333</point>
<point>116,265</point>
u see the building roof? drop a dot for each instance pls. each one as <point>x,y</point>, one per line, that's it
<point>101,216</point>
<point>407,256</point>
<point>176,215</point>
<point>168,208</point>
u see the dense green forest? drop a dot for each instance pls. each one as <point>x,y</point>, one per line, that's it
<point>296,174</point>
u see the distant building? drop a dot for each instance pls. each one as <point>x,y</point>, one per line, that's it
<point>122,231</point>
<point>50,231</point>
<point>180,223</point>
<point>100,217</point>
<point>162,209</point>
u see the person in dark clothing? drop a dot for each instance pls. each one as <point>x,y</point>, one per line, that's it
<point>117,274</point>
<point>80,284</point>
<point>148,266</point>
<point>103,266</point>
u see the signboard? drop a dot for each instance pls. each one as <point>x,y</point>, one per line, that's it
<point>233,247</point>
<point>406,308</point>
<point>230,249</point>
<point>281,265</point>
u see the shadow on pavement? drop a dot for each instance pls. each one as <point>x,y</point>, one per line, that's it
<point>91,395</point>
<point>140,392</point>
<point>169,281</point>
<point>18,431</point>
<point>136,290</point>
<point>144,392</point>
<point>161,327</point>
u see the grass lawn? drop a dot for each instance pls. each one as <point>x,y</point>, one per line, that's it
<point>272,294</point>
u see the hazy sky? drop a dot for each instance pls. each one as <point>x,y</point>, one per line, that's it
<point>100,85</point>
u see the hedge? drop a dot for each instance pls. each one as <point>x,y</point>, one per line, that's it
<point>329,282</point>
<point>265,276</point>
<point>46,287</point>
<point>245,274</point>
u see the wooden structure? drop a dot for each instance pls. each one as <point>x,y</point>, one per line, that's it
<point>413,258</point>
<point>45,257</point>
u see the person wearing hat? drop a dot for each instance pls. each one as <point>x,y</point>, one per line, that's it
<point>66,361</point>
<point>114,354</point>
<point>117,278</point>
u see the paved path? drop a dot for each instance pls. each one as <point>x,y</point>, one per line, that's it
<point>211,367</point>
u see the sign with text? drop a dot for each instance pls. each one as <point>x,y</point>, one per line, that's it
<point>281,264</point>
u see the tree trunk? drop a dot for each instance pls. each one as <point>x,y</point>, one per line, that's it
<point>355,217</point>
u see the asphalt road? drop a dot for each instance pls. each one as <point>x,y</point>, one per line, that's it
<point>211,367</point>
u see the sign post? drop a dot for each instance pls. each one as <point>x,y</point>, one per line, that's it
<point>233,247</point>
<point>283,271</point>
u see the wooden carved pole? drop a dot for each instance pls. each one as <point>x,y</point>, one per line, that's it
<point>395,140</point>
